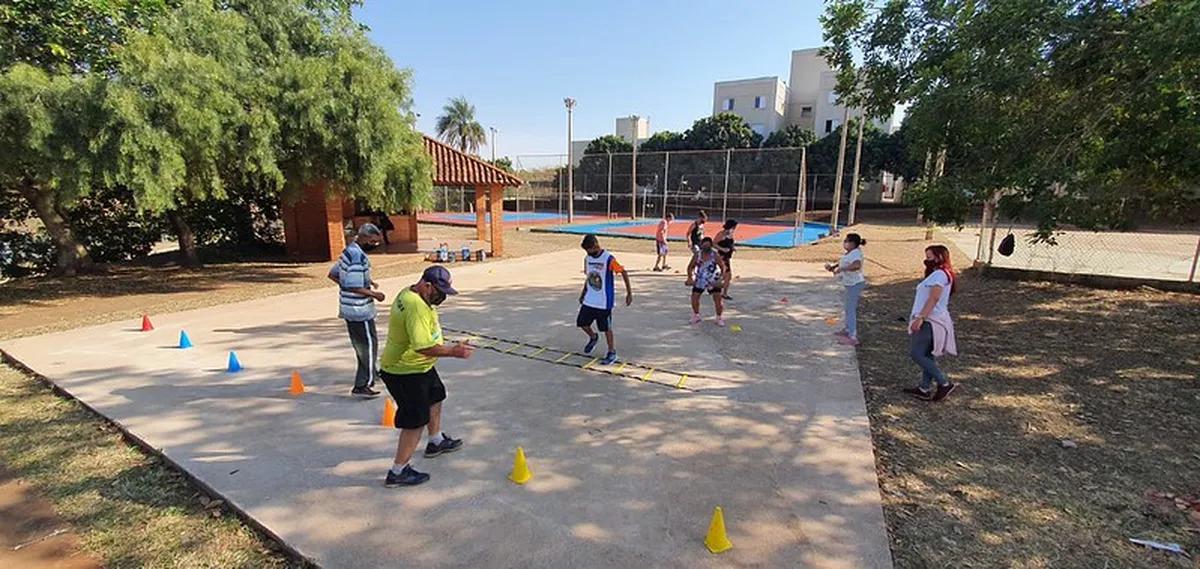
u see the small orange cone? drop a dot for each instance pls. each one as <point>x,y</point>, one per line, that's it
<point>832,321</point>
<point>520,472</point>
<point>389,413</point>
<point>297,387</point>
<point>146,325</point>
<point>716,540</point>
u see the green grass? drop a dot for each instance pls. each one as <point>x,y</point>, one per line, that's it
<point>109,490</point>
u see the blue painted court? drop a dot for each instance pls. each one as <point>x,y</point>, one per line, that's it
<point>526,217</point>
<point>749,234</point>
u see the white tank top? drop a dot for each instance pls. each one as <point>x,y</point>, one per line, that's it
<point>599,271</point>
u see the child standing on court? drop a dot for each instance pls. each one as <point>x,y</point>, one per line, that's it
<point>849,272</point>
<point>596,298</point>
<point>704,275</point>
<point>660,242</point>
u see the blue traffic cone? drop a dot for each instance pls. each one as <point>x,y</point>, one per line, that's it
<point>234,364</point>
<point>184,341</point>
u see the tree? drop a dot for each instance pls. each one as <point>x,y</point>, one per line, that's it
<point>458,127</point>
<point>1066,112</point>
<point>504,163</point>
<point>608,144</point>
<point>71,36</point>
<point>842,22</point>
<point>790,137</point>
<point>720,132</point>
<point>663,141</point>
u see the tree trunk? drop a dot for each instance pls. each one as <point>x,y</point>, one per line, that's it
<point>841,165</point>
<point>862,120</point>
<point>72,255</point>
<point>188,255</point>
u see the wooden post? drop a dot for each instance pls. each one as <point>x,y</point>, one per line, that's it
<point>497,209</point>
<point>481,213</point>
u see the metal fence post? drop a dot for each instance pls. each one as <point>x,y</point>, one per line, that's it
<point>1195,258</point>
<point>633,182</point>
<point>725,195</point>
<point>608,207</point>
<point>666,179</point>
<point>799,221</point>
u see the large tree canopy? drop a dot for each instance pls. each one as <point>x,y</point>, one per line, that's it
<point>719,132</point>
<point>274,95</point>
<point>1063,111</point>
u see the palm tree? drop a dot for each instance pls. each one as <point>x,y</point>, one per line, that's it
<point>458,127</point>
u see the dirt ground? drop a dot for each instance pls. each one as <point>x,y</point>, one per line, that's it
<point>1075,427</point>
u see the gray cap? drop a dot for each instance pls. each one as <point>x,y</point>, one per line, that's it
<point>369,230</point>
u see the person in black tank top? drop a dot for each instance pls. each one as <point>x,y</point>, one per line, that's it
<point>725,246</point>
<point>696,232</point>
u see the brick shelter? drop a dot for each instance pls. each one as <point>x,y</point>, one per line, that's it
<point>315,227</point>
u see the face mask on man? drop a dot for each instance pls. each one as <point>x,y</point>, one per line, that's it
<point>369,246</point>
<point>437,297</point>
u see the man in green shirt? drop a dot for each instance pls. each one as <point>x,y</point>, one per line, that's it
<point>414,344</point>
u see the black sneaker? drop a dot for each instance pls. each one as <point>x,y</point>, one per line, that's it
<point>591,345</point>
<point>916,392</point>
<point>407,477</point>
<point>943,391</point>
<point>447,445</point>
<point>364,393</point>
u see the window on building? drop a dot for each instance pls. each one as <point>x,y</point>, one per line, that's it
<point>760,102</point>
<point>727,104</point>
<point>832,98</point>
<point>828,126</point>
<point>806,111</point>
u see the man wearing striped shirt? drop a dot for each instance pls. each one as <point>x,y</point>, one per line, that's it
<point>356,305</point>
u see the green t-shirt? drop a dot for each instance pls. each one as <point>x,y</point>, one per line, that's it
<point>413,326</point>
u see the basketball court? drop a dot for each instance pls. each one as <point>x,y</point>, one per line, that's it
<point>765,420</point>
<point>511,218</point>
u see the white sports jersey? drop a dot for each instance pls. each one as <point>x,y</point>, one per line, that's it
<point>600,271</point>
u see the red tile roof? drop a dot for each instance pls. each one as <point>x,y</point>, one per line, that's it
<point>454,168</point>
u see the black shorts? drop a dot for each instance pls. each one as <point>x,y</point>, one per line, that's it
<point>588,314</point>
<point>414,394</point>
<point>696,290</point>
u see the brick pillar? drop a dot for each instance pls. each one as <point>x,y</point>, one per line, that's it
<point>497,209</point>
<point>480,213</point>
<point>334,226</point>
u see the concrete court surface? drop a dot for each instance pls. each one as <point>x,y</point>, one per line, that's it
<point>626,473</point>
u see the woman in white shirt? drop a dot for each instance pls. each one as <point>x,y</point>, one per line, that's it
<point>849,272</point>
<point>931,331</point>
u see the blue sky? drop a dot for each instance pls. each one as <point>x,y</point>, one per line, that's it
<point>517,60</point>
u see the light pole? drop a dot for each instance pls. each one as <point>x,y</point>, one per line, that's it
<point>570,103</point>
<point>493,129</point>
<point>633,120</point>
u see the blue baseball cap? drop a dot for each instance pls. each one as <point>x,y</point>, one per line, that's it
<point>439,277</point>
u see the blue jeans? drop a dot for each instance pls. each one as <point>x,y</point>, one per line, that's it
<point>920,348</point>
<point>853,293</point>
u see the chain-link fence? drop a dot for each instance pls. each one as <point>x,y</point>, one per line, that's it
<point>1150,255</point>
<point>745,183</point>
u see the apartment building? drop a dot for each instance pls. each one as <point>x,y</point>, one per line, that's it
<point>807,99</point>
<point>629,128</point>
<point>762,101</point>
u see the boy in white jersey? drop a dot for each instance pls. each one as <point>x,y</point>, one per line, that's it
<point>596,298</point>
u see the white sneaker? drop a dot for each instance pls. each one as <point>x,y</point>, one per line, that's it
<point>720,321</point>
<point>695,319</point>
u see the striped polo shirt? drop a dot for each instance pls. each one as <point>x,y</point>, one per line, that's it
<point>353,270</point>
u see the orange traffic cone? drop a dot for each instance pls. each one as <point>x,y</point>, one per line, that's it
<point>297,387</point>
<point>389,413</point>
<point>146,325</point>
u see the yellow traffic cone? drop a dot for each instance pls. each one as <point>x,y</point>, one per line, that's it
<point>717,541</point>
<point>389,413</point>
<point>520,472</point>
<point>297,384</point>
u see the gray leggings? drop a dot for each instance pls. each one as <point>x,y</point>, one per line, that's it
<point>920,348</point>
